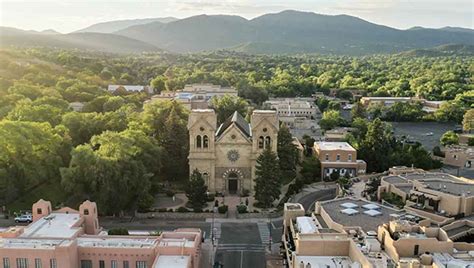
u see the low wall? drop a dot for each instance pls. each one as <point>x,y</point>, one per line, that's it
<point>440,220</point>
<point>261,215</point>
<point>178,215</point>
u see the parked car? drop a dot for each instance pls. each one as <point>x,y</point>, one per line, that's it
<point>24,219</point>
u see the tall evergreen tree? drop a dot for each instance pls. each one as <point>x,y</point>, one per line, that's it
<point>376,147</point>
<point>175,142</point>
<point>267,179</point>
<point>196,191</point>
<point>287,152</point>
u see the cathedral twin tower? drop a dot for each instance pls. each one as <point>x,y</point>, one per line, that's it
<point>226,155</point>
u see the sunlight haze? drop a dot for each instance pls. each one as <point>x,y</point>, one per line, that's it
<point>67,16</point>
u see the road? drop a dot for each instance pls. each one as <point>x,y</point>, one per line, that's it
<point>321,195</point>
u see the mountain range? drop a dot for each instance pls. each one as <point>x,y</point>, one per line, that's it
<point>285,32</point>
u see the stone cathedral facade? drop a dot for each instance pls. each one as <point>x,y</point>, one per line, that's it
<point>226,154</point>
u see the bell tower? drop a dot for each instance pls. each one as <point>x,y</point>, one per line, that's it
<point>202,126</point>
<point>264,130</point>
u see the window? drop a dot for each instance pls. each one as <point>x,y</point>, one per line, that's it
<point>205,141</point>
<point>86,211</point>
<point>349,157</point>
<point>268,142</point>
<point>260,142</point>
<point>86,264</point>
<point>38,263</point>
<point>141,264</point>
<point>6,263</point>
<point>101,264</point>
<point>327,157</point>
<point>113,264</point>
<point>198,141</point>
<point>52,263</point>
<point>39,211</point>
<point>338,157</point>
<point>21,263</point>
<point>125,264</point>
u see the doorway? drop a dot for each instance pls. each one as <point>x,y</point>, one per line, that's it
<point>232,183</point>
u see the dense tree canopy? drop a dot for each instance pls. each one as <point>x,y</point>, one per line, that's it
<point>37,87</point>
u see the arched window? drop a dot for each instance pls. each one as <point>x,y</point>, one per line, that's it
<point>268,142</point>
<point>205,141</point>
<point>260,142</point>
<point>198,141</point>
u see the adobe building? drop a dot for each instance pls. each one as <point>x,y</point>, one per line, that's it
<point>308,242</point>
<point>195,96</point>
<point>226,155</point>
<point>73,239</point>
<point>437,195</point>
<point>350,232</point>
<point>340,157</point>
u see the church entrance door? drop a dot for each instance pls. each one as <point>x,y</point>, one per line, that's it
<point>233,183</point>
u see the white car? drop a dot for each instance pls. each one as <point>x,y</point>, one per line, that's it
<point>24,218</point>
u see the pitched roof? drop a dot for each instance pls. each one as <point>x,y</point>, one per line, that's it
<point>239,122</point>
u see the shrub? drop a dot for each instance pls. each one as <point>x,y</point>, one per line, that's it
<point>241,209</point>
<point>169,193</point>
<point>245,193</point>
<point>118,231</point>
<point>198,210</point>
<point>210,197</point>
<point>470,142</point>
<point>170,210</point>
<point>182,209</point>
<point>222,209</point>
<point>437,151</point>
<point>162,210</point>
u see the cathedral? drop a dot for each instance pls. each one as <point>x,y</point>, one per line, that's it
<point>226,154</point>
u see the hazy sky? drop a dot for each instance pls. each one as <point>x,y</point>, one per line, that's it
<point>71,15</point>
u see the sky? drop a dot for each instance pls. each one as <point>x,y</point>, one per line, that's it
<point>71,15</point>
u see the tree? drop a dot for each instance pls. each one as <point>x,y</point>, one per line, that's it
<point>331,119</point>
<point>287,152</point>
<point>311,169</point>
<point>196,191</point>
<point>158,84</point>
<point>227,105</point>
<point>375,110</point>
<point>468,121</point>
<point>113,103</point>
<point>30,154</point>
<point>376,148</point>
<point>450,111</point>
<point>116,169</point>
<point>334,176</point>
<point>175,141</point>
<point>401,111</point>
<point>358,111</point>
<point>267,179</point>
<point>449,138</point>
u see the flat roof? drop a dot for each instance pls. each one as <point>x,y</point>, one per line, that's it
<point>172,261</point>
<point>306,225</point>
<point>367,223</point>
<point>324,261</point>
<point>334,145</point>
<point>26,243</point>
<point>431,176</point>
<point>176,242</point>
<point>450,187</point>
<point>117,242</point>
<point>395,179</point>
<point>55,225</point>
